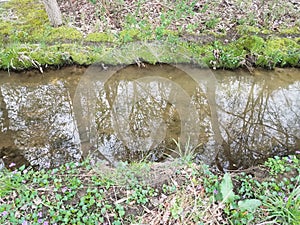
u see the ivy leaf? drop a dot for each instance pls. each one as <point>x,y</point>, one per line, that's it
<point>226,188</point>
<point>249,204</point>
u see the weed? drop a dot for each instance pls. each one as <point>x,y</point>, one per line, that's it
<point>186,153</point>
<point>194,194</point>
<point>284,209</point>
<point>279,165</point>
<point>212,23</point>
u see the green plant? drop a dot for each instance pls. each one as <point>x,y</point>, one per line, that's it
<point>284,209</point>
<point>226,189</point>
<point>185,153</point>
<point>211,23</point>
<point>100,37</point>
<point>193,194</point>
<point>176,210</point>
<point>279,165</point>
<point>10,182</point>
<point>248,186</point>
<point>240,212</point>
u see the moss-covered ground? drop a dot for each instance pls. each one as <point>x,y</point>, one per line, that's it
<point>182,32</point>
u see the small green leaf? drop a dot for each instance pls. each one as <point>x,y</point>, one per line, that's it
<point>249,204</point>
<point>22,168</point>
<point>93,1</point>
<point>226,188</point>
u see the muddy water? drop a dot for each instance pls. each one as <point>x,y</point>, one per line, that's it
<point>229,119</point>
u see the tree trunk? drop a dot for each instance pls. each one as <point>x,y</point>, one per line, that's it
<point>53,12</point>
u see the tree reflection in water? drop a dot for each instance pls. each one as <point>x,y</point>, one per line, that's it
<point>133,113</point>
<point>41,124</point>
<point>257,120</point>
<point>138,112</point>
<point>238,119</point>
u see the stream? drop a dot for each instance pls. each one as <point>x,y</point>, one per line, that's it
<point>228,119</point>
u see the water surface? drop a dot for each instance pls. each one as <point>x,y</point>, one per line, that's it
<point>231,119</point>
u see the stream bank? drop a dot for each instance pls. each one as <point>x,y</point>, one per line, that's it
<point>29,42</point>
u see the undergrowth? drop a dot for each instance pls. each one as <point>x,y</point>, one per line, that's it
<point>137,193</point>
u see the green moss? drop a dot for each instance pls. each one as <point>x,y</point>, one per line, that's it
<point>290,30</point>
<point>31,17</point>
<point>163,51</point>
<point>32,24</point>
<point>27,56</point>
<point>53,57</point>
<point>281,43</point>
<point>128,35</point>
<point>85,57</point>
<point>281,52</point>
<point>100,37</point>
<point>168,32</point>
<point>266,31</point>
<point>63,33</point>
<point>269,53</point>
<point>132,34</point>
<point>6,30</point>
<point>245,30</point>
<point>250,43</point>
<point>50,34</point>
<point>30,12</point>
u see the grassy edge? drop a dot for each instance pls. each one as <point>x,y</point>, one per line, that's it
<point>247,51</point>
<point>176,192</point>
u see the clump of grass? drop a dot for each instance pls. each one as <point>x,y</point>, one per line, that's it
<point>284,209</point>
<point>184,151</point>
